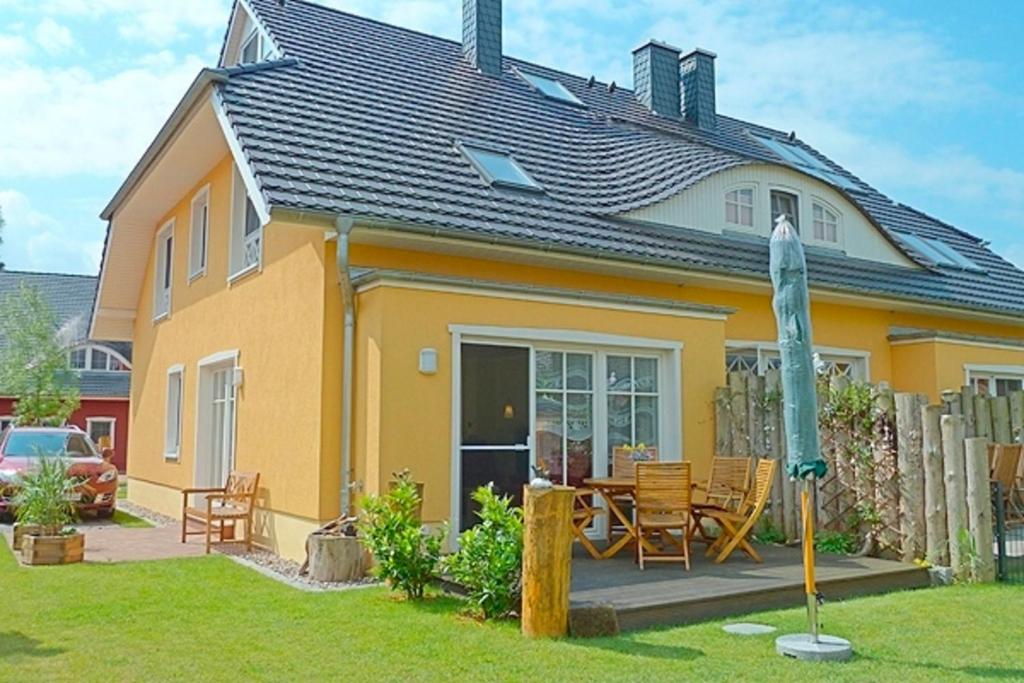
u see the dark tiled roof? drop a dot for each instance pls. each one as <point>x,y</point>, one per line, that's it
<point>366,120</point>
<point>71,298</point>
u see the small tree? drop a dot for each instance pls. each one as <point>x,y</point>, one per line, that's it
<point>34,364</point>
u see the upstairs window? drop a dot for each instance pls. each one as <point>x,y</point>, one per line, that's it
<point>200,233</point>
<point>246,232</point>
<point>550,87</point>
<point>499,168</point>
<point>937,251</point>
<point>785,204</point>
<point>163,272</point>
<point>98,359</point>
<point>826,224</point>
<point>739,207</point>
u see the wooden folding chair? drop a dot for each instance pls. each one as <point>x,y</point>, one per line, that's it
<point>727,484</point>
<point>1006,468</point>
<point>237,499</point>
<point>624,467</point>
<point>736,526</point>
<point>584,512</point>
<point>663,496</point>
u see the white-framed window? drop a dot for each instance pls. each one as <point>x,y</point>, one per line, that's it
<point>826,224</point>
<point>246,232</point>
<point>759,357</point>
<point>199,235</point>
<point>172,425</point>
<point>252,48</point>
<point>785,204</point>
<point>163,272</point>
<point>6,421</point>
<point>634,401</point>
<point>995,380</point>
<point>739,207</point>
<point>99,428</point>
<point>98,358</point>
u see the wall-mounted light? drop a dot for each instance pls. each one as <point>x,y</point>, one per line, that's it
<point>509,412</point>
<point>237,377</point>
<point>428,361</point>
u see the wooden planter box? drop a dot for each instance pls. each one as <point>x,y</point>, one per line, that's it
<point>37,550</point>
<point>337,558</point>
<point>23,530</point>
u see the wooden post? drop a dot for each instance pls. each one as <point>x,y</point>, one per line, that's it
<point>887,489</point>
<point>911,473</point>
<point>937,536</point>
<point>723,422</point>
<point>1017,417</point>
<point>952,403</point>
<point>979,508</point>
<point>740,422</point>
<point>776,446</point>
<point>967,403</point>
<point>982,417</point>
<point>956,488</point>
<point>547,560</point>
<point>755,416</point>
<point>1001,419</point>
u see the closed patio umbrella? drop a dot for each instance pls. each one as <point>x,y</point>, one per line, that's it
<point>800,413</point>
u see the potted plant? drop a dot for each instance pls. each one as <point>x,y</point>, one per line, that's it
<point>45,501</point>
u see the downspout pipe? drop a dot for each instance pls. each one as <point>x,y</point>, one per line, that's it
<point>344,225</point>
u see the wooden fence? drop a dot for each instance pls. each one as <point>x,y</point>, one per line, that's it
<point>900,470</point>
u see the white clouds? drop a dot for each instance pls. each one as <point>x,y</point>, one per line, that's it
<point>53,37</point>
<point>34,240</point>
<point>61,121</point>
<point>13,47</point>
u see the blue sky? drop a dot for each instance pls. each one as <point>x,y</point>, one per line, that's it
<point>922,100</point>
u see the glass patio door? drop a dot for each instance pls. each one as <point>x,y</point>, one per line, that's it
<point>223,424</point>
<point>495,445</point>
<point>564,426</point>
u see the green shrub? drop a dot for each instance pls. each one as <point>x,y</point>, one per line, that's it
<point>836,543</point>
<point>769,534</point>
<point>406,554</point>
<point>490,559</point>
<point>45,496</point>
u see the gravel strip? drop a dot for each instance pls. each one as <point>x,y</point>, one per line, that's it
<point>286,571</point>
<point>154,518</point>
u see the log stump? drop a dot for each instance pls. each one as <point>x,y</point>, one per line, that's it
<point>547,559</point>
<point>336,559</point>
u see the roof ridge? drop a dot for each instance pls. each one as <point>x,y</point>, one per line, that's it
<point>7,271</point>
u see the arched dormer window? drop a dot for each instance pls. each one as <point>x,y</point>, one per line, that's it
<point>739,207</point>
<point>826,225</point>
<point>98,358</point>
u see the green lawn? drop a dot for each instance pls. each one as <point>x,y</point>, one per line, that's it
<point>122,518</point>
<point>210,619</point>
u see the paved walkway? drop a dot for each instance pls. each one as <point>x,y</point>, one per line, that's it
<point>108,542</point>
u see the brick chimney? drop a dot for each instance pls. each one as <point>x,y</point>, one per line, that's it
<point>656,77</point>
<point>481,34</point>
<point>697,79</point>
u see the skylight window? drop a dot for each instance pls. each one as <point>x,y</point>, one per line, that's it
<point>499,168</point>
<point>549,87</point>
<point>805,161</point>
<point>938,252</point>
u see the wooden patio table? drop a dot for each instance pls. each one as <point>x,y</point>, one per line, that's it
<point>609,488</point>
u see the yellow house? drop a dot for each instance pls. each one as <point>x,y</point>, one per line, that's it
<point>355,249</point>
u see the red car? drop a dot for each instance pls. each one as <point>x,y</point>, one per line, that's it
<point>21,447</point>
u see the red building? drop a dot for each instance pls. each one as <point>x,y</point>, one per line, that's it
<point>103,369</point>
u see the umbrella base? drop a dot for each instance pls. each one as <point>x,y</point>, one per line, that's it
<point>827,649</point>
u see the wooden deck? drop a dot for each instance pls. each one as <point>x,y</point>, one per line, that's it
<point>667,594</point>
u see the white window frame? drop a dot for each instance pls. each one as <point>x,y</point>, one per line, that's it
<point>973,372</point>
<point>810,238</point>
<point>768,350</point>
<point>240,242</point>
<point>160,274</point>
<point>8,419</point>
<point>172,449</point>
<point>800,208</point>
<point>112,421</point>
<point>111,353</point>
<point>254,34</point>
<point>670,402</point>
<point>199,235</point>
<point>753,207</point>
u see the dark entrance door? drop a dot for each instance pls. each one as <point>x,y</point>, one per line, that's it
<point>495,423</point>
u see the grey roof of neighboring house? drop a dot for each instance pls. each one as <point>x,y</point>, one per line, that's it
<point>71,299</point>
<point>362,118</point>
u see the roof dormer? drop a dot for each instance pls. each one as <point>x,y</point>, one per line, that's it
<point>248,40</point>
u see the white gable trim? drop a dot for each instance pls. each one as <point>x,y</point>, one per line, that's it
<point>248,179</point>
<point>233,39</point>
